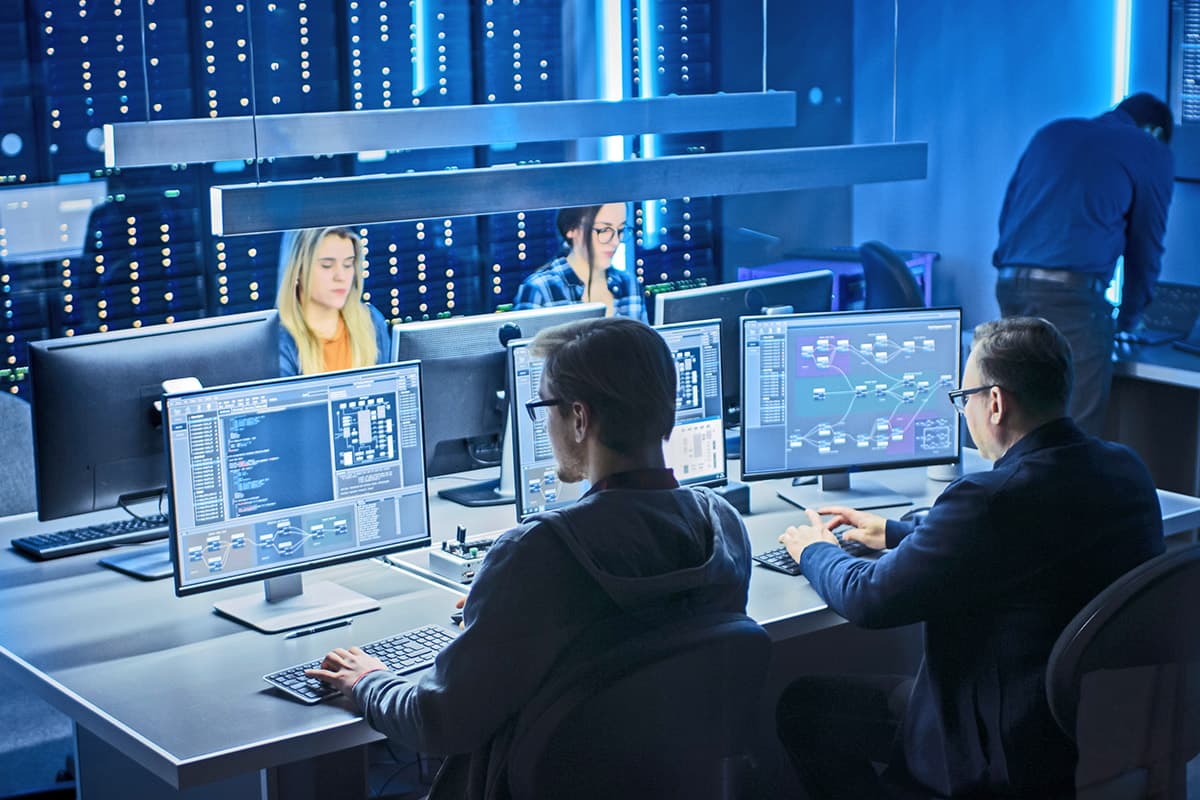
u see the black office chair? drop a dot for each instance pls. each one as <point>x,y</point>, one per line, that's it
<point>889,282</point>
<point>17,492</point>
<point>664,714</point>
<point>1124,681</point>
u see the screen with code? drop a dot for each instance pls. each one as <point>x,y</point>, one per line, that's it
<point>287,474</point>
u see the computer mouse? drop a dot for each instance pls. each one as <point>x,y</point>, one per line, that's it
<point>915,515</point>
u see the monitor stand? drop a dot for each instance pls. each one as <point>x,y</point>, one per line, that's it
<point>494,492</point>
<point>835,490</point>
<point>286,604</point>
<point>148,563</point>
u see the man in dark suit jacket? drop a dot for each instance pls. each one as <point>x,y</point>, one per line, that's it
<point>1001,563</point>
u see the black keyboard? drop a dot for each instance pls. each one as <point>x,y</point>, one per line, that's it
<point>403,653</point>
<point>780,559</point>
<point>43,546</point>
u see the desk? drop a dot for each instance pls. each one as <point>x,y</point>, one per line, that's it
<point>167,696</point>
<point>1155,409</point>
<point>164,693</point>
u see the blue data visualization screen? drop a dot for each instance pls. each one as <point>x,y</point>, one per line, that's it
<point>861,390</point>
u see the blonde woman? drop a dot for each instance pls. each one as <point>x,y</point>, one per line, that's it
<point>326,326</point>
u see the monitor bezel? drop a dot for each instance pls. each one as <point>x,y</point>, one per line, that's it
<point>851,469</point>
<point>723,478</point>
<point>307,566</point>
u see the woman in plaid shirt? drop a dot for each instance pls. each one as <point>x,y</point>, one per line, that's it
<point>586,273</point>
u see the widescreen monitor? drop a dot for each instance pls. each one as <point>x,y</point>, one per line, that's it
<point>98,440</point>
<point>271,478</point>
<point>832,394</point>
<point>463,364</point>
<point>695,449</point>
<point>729,302</point>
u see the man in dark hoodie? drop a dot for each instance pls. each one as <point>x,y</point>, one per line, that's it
<point>635,550</point>
<point>1003,561</point>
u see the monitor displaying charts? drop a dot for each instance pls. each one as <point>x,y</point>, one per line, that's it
<point>831,394</point>
<point>695,449</point>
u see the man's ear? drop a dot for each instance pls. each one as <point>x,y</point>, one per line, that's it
<point>998,409</point>
<point>581,418</point>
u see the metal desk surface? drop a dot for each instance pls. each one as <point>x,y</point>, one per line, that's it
<point>1159,363</point>
<point>168,682</point>
<point>178,689</point>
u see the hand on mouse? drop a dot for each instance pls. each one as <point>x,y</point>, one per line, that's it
<point>457,616</point>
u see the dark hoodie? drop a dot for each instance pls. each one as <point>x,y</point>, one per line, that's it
<point>621,554</point>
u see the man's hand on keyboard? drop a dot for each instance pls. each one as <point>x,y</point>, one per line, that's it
<point>798,537</point>
<point>866,528</point>
<point>342,668</point>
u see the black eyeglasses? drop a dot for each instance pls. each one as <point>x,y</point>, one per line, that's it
<point>533,405</point>
<point>959,396</point>
<point>605,234</point>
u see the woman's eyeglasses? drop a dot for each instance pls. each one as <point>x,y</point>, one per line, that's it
<point>606,233</point>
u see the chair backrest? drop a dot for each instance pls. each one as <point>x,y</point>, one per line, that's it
<point>889,282</point>
<point>666,713</point>
<point>1123,678</point>
<point>18,494</point>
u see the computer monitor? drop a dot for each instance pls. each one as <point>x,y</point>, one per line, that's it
<point>463,364</point>
<point>97,435</point>
<point>729,302</point>
<point>831,394</point>
<point>271,478</point>
<point>695,449</point>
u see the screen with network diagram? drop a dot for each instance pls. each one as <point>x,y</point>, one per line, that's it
<point>861,390</point>
<point>282,474</point>
<point>695,449</point>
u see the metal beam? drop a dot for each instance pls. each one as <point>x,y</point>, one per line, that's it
<point>264,207</point>
<point>141,144</point>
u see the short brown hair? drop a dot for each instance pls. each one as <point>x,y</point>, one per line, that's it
<point>1031,359</point>
<point>621,369</point>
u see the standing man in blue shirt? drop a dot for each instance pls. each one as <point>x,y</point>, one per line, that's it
<point>1086,192</point>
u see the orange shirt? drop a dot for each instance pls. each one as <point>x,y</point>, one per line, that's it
<point>336,351</point>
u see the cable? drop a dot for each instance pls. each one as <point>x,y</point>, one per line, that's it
<point>895,59</point>
<point>764,45</point>
<point>253,93</point>
<point>145,59</point>
<point>138,517</point>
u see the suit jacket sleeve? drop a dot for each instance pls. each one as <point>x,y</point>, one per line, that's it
<point>941,558</point>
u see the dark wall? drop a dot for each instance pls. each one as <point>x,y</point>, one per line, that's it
<point>809,51</point>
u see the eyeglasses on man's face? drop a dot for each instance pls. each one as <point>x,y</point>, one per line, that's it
<point>606,233</point>
<point>958,397</point>
<point>532,407</point>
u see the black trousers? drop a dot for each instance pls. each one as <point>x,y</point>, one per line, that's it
<point>840,732</point>
<point>1085,318</point>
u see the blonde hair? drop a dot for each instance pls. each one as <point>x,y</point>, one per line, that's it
<point>294,292</point>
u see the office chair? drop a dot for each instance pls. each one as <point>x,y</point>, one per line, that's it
<point>1123,681</point>
<point>666,713</point>
<point>889,282</point>
<point>17,492</point>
